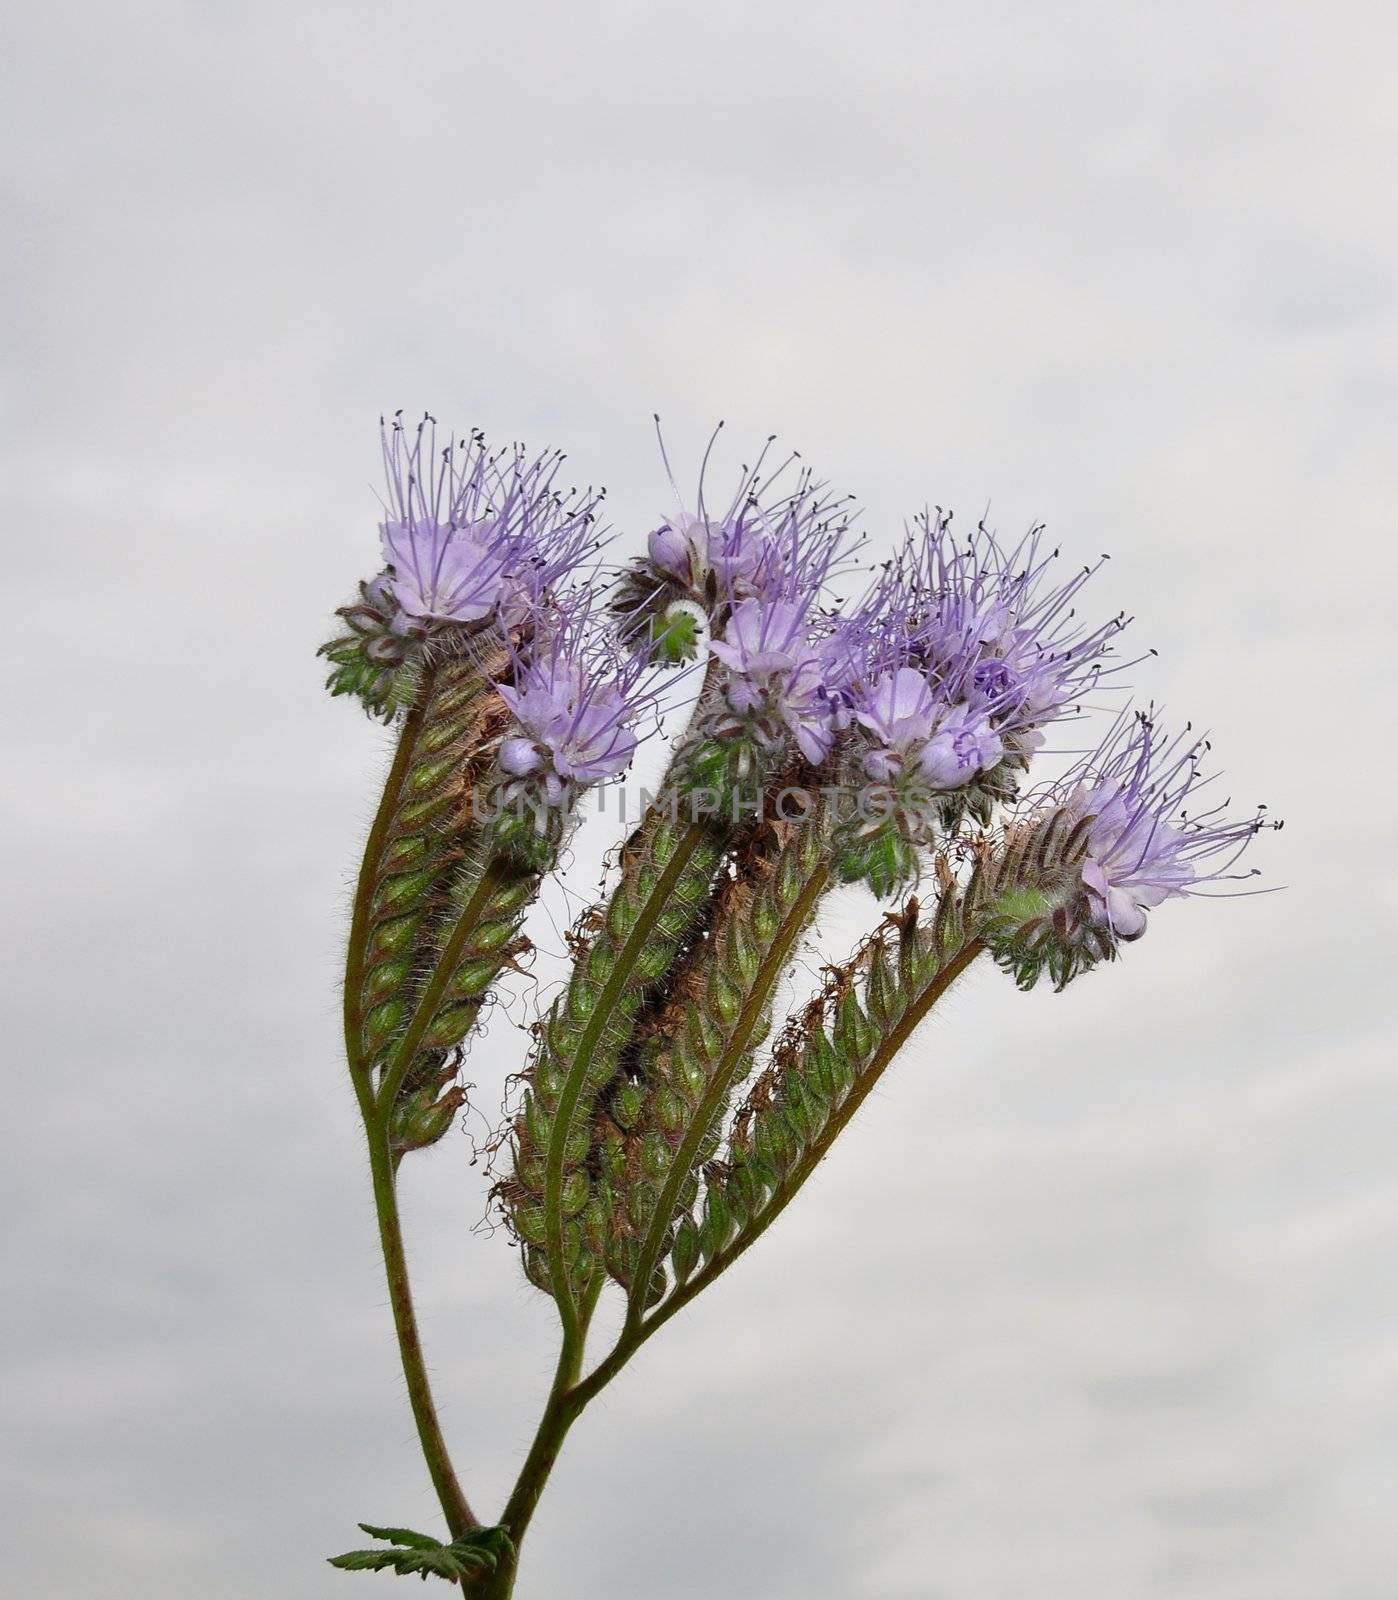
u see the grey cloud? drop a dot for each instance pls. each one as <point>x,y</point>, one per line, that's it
<point>1097,1295</point>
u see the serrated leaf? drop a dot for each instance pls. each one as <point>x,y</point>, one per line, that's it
<point>407,1536</point>
<point>418,1554</point>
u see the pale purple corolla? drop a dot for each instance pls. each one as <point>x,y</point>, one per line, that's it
<point>1134,859</point>
<point>468,535</point>
<point>964,744</point>
<point>574,729</point>
<point>779,674</point>
<point>897,712</point>
<point>913,730</point>
<point>444,573</point>
<point>1143,847</point>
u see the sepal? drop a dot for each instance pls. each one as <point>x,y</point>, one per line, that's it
<point>529,835</point>
<point>370,659</point>
<point>424,1114</point>
<point>724,777</point>
<point>879,854</point>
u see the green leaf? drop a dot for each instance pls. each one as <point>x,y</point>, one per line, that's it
<point>419,1554</point>
<point>416,1541</point>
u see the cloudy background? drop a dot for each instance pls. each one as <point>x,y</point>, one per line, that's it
<point>1099,1295</point>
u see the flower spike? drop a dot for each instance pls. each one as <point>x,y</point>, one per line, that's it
<point>1138,844</point>
<point>471,541</point>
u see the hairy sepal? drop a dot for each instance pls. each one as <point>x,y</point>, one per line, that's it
<point>667,874</point>
<point>834,1051</point>
<point>702,1048</point>
<point>424,849</point>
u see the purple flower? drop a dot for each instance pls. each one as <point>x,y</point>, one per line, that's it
<point>777,674</point>
<point>775,537</point>
<point>443,573</point>
<point>989,623</point>
<point>1142,846</point>
<point>963,745</point>
<point>468,535</point>
<point>576,699</point>
<point>912,726</point>
<point>900,709</point>
<point>1128,869</point>
<point>574,731</point>
<point>898,713</point>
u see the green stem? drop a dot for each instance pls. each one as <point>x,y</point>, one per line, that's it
<point>561,1411</point>
<point>458,1513</point>
<point>570,1396</point>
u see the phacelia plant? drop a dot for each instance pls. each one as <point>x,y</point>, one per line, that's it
<point>883,740</point>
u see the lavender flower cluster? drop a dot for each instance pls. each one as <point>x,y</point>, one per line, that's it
<point>923,699</point>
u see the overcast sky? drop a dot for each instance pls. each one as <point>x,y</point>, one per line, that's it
<point>1098,1295</point>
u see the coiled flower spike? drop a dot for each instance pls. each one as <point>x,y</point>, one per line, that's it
<point>1140,846</point>
<point>576,698</point>
<point>785,661</point>
<point>772,536</point>
<point>1143,846</point>
<point>467,534</point>
<point>989,622</point>
<point>471,541</point>
<point>953,661</point>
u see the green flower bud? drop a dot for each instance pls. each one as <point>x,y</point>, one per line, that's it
<point>674,636</point>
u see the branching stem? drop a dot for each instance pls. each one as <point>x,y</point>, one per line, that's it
<point>635,1335</point>
<point>571,1394</point>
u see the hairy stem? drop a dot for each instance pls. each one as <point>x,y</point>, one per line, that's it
<point>458,1513</point>
<point>560,1413</point>
<point>570,1396</point>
